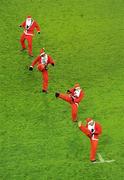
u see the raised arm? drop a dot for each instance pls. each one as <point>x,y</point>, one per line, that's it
<point>84,129</point>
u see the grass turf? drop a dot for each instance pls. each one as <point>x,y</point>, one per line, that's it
<point>37,138</point>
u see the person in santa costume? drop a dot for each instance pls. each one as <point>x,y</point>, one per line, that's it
<point>29,26</point>
<point>73,96</point>
<point>92,130</point>
<point>43,60</point>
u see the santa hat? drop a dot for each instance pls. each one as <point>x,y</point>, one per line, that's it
<point>29,17</point>
<point>76,86</point>
<point>89,120</point>
<point>42,52</point>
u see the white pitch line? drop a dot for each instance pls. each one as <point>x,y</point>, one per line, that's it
<point>109,161</point>
<point>100,157</point>
<point>98,162</point>
<point>101,160</point>
<point>105,161</point>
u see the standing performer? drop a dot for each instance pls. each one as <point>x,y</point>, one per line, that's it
<point>73,96</point>
<point>29,26</point>
<point>92,129</point>
<point>43,60</point>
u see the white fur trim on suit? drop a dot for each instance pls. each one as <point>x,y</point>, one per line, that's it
<point>29,34</point>
<point>94,138</point>
<point>91,126</point>
<point>29,23</point>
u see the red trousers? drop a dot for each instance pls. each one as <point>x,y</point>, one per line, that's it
<point>74,106</point>
<point>94,143</point>
<point>29,40</point>
<point>93,149</point>
<point>41,68</point>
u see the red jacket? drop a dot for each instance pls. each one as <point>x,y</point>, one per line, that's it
<point>77,95</point>
<point>30,30</point>
<point>47,60</point>
<point>92,132</point>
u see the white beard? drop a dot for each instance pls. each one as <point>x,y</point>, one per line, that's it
<point>28,23</point>
<point>91,127</point>
<point>77,92</point>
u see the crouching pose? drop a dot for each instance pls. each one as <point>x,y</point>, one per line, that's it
<point>92,130</point>
<point>43,60</point>
<point>73,96</point>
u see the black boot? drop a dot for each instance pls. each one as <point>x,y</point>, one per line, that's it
<point>23,49</point>
<point>44,91</point>
<point>57,94</point>
<point>93,161</point>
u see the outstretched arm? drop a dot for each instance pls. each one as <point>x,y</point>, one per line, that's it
<point>22,24</point>
<point>33,63</point>
<point>71,90</point>
<point>84,129</point>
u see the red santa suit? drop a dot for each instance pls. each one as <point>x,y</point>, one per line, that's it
<point>92,129</point>
<point>43,60</point>
<point>29,26</point>
<point>73,96</point>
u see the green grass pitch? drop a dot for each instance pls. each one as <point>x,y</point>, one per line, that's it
<point>38,140</point>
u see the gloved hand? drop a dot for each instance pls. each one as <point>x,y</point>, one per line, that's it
<point>68,91</point>
<point>79,124</point>
<point>57,94</point>
<point>31,68</point>
<point>52,64</point>
<point>39,32</point>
